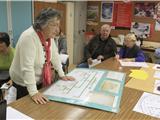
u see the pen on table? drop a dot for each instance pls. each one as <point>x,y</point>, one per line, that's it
<point>116,56</point>
<point>115,53</point>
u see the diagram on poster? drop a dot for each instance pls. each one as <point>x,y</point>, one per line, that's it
<point>92,88</point>
<point>148,104</point>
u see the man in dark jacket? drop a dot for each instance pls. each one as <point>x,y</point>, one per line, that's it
<point>101,47</point>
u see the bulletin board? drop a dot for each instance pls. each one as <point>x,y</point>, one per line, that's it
<point>154,37</point>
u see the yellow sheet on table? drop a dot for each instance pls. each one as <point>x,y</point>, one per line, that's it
<point>139,74</point>
<point>144,85</point>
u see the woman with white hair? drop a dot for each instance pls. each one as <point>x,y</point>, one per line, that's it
<point>130,52</point>
<point>35,52</point>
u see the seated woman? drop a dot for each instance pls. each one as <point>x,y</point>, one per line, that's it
<point>130,52</point>
<point>6,57</point>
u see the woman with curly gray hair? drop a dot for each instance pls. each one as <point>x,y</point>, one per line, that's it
<point>35,53</point>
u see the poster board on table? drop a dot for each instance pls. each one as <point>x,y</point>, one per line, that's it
<point>94,88</point>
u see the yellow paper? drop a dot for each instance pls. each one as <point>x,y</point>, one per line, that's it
<point>139,74</point>
<point>144,85</point>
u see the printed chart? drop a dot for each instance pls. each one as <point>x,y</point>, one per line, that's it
<point>93,88</point>
<point>148,104</point>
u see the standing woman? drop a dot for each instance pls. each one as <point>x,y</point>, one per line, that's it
<point>35,52</point>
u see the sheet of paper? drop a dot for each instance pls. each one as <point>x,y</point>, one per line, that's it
<point>156,67</point>
<point>138,74</point>
<point>94,63</point>
<point>157,87</point>
<point>133,64</point>
<point>63,58</point>
<point>13,114</point>
<point>157,74</point>
<point>148,104</point>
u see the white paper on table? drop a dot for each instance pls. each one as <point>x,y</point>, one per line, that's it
<point>148,104</point>
<point>63,58</point>
<point>156,67</point>
<point>157,74</point>
<point>156,85</point>
<point>94,63</point>
<point>13,114</point>
<point>133,64</point>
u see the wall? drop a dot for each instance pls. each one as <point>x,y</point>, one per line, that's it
<point>154,38</point>
<point>21,17</point>
<point>3,18</point>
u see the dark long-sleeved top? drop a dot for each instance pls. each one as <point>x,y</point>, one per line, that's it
<point>97,47</point>
<point>61,44</point>
<point>134,52</point>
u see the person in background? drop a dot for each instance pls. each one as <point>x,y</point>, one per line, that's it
<point>130,52</point>
<point>35,52</point>
<point>61,42</point>
<point>100,47</point>
<point>6,57</point>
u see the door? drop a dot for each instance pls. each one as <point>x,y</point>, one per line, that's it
<point>79,29</point>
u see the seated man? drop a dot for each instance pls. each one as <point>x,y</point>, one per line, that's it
<point>130,52</point>
<point>100,47</point>
<point>61,43</point>
<point>6,57</point>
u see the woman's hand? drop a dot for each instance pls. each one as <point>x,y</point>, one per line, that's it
<point>67,78</point>
<point>10,83</point>
<point>117,57</point>
<point>39,98</point>
<point>89,61</point>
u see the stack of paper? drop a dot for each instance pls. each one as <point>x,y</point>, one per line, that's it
<point>133,64</point>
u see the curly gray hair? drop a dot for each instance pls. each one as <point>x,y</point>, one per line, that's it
<point>44,17</point>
